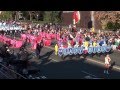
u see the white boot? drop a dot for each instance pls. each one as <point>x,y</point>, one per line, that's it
<point>107,72</point>
<point>104,71</point>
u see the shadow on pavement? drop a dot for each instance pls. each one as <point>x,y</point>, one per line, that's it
<point>112,64</point>
<point>72,69</point>
<point>45,57</point>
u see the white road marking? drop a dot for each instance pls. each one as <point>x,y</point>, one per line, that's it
<point>54,60</point>
<point>88,73</point>
<point>114,67</point>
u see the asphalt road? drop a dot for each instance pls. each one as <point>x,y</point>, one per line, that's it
<point>54,67</point>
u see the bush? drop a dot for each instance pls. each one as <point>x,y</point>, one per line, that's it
<point>110,25</point>
<point>5,15</point>
<point>52,16</point>
<point>113,26</point>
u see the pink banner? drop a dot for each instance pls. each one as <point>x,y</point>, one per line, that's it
<point>43,34</point>
<point>38,39</point>
<point>23,36</point>
<point>18,44</point>
<point>58,36</point>
<point>13,43</point>
<point>53,36</point>
<point>47,42</point>
<point>48,36</point>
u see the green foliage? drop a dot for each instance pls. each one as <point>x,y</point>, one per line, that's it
<point>25,15</point>
<point>53,16</point>
<point>113,26</point>
<point>45,16</point>
<point>110,25</point>
<point>117,26</point>
<point>5,15</point>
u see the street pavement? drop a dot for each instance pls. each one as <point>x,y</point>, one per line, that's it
<point>53,67</point>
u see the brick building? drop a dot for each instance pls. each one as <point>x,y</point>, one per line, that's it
<point>84,21</point>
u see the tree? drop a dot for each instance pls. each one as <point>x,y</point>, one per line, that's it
<point>30,15</point>
<point>53,16</point>
<point>105,17</point>
<point>5,15</point>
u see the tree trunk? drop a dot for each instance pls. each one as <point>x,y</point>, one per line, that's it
<point>16,16</point>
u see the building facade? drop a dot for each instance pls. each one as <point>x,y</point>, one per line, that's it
<point>85,19</point>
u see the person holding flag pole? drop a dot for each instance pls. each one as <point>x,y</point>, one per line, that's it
<point>76,18</point>
<point>93,22</point>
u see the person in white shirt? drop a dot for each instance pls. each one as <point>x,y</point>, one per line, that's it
<point>69,44</point>
<point>104,44</point>
<point>76,45</point>
<point>107,63</point>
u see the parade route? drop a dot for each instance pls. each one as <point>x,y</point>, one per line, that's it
<point>54,67</point>
<point>95,61</point>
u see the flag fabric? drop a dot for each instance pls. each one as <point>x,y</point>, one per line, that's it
<point>76,17</point>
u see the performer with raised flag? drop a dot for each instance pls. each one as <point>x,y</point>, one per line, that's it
<point>76,19</point>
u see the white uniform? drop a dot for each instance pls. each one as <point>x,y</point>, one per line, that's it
<point>107,61</point>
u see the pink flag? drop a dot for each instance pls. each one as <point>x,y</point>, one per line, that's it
<point>76,17</point>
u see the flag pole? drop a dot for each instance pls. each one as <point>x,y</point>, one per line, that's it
<point>92,19</point>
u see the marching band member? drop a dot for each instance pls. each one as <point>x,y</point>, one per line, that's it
<point>94,44</point>
<point>107,63</point>
<point>76,45</point>
<point>56,49</point>
<point>69,44</point>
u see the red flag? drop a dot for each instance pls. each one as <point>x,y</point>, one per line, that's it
<point>76,17</point>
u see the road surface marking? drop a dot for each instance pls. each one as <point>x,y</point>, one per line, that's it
<point>114,67</point>
<point>54,60</point>
<point>88,73</point>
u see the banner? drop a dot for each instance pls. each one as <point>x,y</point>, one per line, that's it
<point>80,50</point>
